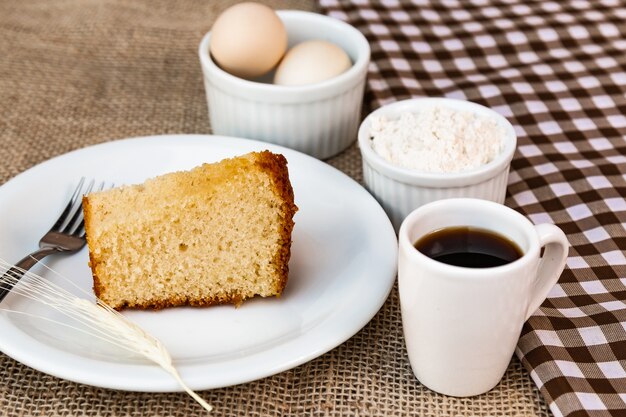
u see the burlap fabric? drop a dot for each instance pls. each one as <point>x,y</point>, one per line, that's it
<point>77,72</point>
<point>557,71</point>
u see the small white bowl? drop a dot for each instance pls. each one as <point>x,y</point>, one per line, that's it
<point>401,190</point>
<point>319,119</point>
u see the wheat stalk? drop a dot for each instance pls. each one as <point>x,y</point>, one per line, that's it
<point>97,319</point>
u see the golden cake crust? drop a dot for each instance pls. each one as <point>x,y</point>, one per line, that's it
<point>276,165</point>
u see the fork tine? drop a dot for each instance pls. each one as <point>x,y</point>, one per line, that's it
<point>76,214</point>
<point>78,222</point>
<point>78,228</point>
<point>75,210</point>
<point>81,230</point>
<point>102,186</point>
<point>68,208</point>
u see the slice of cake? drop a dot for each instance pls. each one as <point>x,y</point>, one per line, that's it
<point>220,233</point>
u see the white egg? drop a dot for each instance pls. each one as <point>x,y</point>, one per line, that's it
<point>248,40</point>
<point>311,62</point>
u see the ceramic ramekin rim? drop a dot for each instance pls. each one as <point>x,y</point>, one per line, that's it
<point>437,180</point>
<point>309,92</point>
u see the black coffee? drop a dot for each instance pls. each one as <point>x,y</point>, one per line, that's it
<point>468,247</point>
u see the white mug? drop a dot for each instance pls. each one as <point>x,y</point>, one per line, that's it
<point>461,325</point>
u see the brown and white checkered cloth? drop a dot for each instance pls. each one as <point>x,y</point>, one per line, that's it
<point>557,71</point>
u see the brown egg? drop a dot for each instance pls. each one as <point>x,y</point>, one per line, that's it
<point>248,40</point>
<point>311,62</point>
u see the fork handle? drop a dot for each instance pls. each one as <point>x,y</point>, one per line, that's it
<point>17,272</point>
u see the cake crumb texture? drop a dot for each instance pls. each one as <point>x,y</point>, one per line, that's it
<point>220,233</point>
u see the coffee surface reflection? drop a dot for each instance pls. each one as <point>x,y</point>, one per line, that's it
<point>469,247</point>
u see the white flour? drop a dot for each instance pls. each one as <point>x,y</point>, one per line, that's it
<point>437,139</point>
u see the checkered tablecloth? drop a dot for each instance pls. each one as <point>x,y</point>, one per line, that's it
<point>557,71</point>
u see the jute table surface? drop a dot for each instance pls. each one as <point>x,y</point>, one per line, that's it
<point>79,72</point>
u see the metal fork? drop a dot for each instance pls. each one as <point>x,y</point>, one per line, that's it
<point>66,235</point>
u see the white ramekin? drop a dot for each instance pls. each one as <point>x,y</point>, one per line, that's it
<point>319,119</point>
<point>401,190</point>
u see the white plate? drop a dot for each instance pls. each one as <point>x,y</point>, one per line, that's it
<point>342,268</point>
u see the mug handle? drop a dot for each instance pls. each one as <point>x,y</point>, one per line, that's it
<point>552,263</point>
